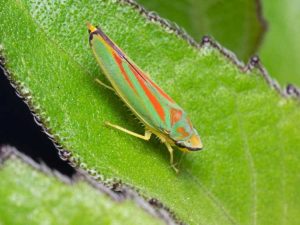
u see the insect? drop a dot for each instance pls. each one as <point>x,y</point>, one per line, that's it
<point>160,114</point>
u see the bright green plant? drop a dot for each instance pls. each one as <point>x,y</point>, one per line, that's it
<point>280,49</point>
<point>35,197</point>
<point>247,173</point>
<point>237,25</point>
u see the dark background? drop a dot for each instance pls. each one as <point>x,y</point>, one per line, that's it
<point>18,129</point>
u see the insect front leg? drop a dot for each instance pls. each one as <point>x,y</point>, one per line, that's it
<point>104,85</point>
<point>170,149</point>
<point>145,137</point>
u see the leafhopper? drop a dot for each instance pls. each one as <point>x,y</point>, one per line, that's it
<point>160,114</point>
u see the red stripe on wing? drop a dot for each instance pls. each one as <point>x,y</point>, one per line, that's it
<point>156,86</point>
<point>157,106</point>
<point>119,63</point>
<point>145,77</point>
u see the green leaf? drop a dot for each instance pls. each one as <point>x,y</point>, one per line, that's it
<point>280,50</point>
<point>37,198</point>
<point>248,171</point>
<point>237,25</point>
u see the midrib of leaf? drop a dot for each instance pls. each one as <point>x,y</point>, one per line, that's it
<point>251,166</point>
<point>257,219</point>
<point>213,198</point>
<point>283,176</point>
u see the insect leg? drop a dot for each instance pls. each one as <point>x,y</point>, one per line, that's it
<point>170,149</point>
<point>104,85</point>
<point>146,136</point>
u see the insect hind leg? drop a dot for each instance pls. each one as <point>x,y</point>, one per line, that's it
<point>104,85</point>
<point>145,137</point>
<point>171,150</point>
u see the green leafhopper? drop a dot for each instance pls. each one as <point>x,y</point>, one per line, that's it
<point>160,114</point>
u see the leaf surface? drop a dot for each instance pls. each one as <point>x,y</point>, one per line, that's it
<point>29,195</point>
<point>281,47</point>
<point>248,170</point>
<point>237,25</point>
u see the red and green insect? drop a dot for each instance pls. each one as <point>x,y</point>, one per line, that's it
<point>160,114</point>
